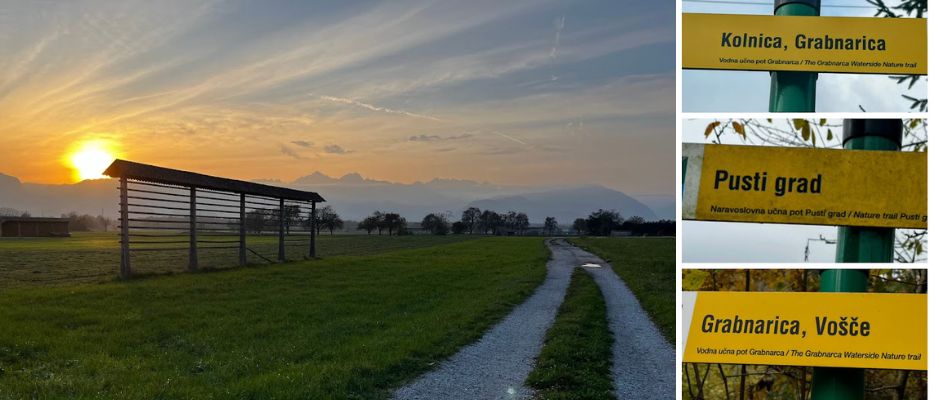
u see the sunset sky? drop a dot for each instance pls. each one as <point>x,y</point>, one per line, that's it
<point>521,92</point>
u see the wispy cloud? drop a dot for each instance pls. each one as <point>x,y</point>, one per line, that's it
<point>412,80</point>
<point>502,151</point>
<point>435,138</point>
<point>286,150</point>
<point>377,108</point>
<point>335,149</point>
<point>559,26</point>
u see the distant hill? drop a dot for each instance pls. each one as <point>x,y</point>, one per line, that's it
<point>8,182</point>
<point>663,205</point>
<point>88,197</point>
<point>567,204</point>
<point>319,178</point>
<point>355,196</point>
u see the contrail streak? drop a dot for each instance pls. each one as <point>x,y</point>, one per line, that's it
<point>377,108</point>
<point>559,26</point>
<point>511,138</point>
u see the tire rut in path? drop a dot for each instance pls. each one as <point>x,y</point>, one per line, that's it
<point>496,366</point>
<point>644,363</point>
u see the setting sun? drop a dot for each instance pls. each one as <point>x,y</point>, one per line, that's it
<point>90,159</point>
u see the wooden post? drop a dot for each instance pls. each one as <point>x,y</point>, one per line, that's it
<point>280,234</point>
<point>125,234</point>
<point>313,229</point>
<point>193,260</point>
<point>242,246</point>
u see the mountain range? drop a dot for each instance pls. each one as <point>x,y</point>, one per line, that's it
<point>354,197</point>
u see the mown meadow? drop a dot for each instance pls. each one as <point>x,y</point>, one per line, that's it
<point>345,326</point>
<point>95,256</point>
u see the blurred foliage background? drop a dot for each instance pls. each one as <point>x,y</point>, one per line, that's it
<point>724,382</point>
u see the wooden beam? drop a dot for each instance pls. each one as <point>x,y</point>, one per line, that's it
<point>193,256</point>
<point>281,256</point>
<point>313,229</point>
<point>242,246</point>
<point>125,229</point>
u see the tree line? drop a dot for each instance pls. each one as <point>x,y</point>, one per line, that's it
<point>85,222</point>
<point>605,222</point>
<point>487,222</point>
<point>384,221</point>
<point>260,219</point>
<point>472,221</point>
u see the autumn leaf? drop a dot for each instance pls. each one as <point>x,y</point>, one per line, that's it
<point>711,127</point>
<point>693,279</point>
<point>739,129</point>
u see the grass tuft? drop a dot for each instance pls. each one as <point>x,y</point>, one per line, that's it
<point>576,359</point>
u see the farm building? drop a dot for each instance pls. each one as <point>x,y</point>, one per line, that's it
<point>205,209</point>
<point>33,227</point>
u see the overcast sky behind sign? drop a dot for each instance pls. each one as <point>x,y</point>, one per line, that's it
<point>734,242</point>
<point>749,91</point>
<point>521,92</point>
<point>738,242</point>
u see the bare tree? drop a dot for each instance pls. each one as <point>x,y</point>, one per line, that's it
<point>550,226</point>
<point>327,218</point>
<point>471,218</point>
<point>371,223</point>
<point>435,223</point>
<point>909,8</point>
<point>291,216</point>
<point>580,225</point>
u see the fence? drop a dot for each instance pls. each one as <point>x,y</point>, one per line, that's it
<point>167,210</point>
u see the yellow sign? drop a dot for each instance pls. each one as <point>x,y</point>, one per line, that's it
<point>804,186</point>
<point>815,44</point>
<point>855,330</point>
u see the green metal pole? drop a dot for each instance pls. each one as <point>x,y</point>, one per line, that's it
<point>866,245</point>
<point>840,383</point>
<point>794,91</point>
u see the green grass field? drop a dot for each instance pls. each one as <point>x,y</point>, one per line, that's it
<point>575,362</point>
<point>95,257</point>
<point>648,267</point>
<point>347,326</point>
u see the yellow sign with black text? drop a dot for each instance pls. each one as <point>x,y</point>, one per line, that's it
<point>812,44</point>
<point>804,186</point>
<point>854,330</point>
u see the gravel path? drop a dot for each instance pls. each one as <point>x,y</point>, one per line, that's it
<point>644,362</point>
<point>496,366</point>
